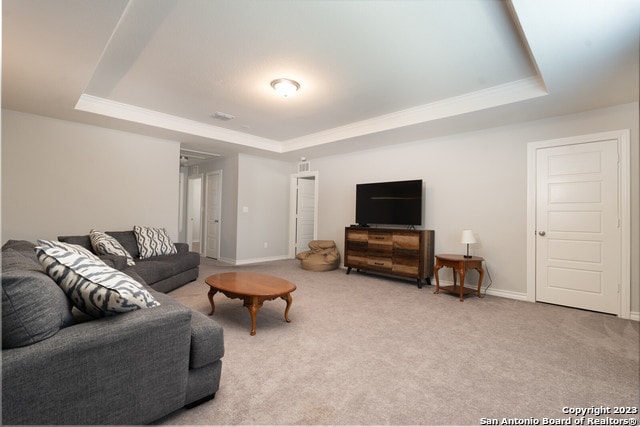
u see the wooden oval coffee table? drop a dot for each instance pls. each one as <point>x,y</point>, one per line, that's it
<point>253,288</point>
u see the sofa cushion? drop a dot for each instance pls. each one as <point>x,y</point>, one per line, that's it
<point>84,241</point>
<point>183,262</point>
<point>94,288</point>
<point>103,244</point>
<point>153,242</point>
<point>154,270</point>
<point>128,241</point>
<point>34,308</point>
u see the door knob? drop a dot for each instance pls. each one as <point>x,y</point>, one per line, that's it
<point>542,233</point>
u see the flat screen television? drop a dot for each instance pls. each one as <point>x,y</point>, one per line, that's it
<point>389,203</point>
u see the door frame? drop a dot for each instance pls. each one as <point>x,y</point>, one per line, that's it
<point>206,210</point>
<point>624,208</point>
<point>293,202</point>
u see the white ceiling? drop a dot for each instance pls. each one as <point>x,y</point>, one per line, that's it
<point>371,72</point>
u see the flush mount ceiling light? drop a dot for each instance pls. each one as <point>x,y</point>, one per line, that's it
<point>285,87</point>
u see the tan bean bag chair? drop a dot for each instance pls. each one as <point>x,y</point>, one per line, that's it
<point>322,256</point>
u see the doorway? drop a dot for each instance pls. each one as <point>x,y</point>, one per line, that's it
<point>213,214</point>
<point>194,213</point>
<point>303,226</point>
<point>579,222</point>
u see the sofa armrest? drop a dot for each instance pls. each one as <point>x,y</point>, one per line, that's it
<point>207,341</point>
<point>181,247</point>
<point>126,369</point>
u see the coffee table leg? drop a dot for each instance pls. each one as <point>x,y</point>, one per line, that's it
<point>253,304</point>
<point>210,294</point>
<point>289,300</point>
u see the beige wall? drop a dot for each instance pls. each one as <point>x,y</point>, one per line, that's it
<point>61,177</point>
<point>262,187</point>
<point>474,180</point>
<point>263,209</point>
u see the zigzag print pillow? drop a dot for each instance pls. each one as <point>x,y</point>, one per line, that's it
<point>153,242</point>
<point>103,244</point>
<point>94,288</point>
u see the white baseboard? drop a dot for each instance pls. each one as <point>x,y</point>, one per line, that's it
<point>259,260</point>
<point>227,260</point>
<point>634,315</point>
<point>507,294</point>
<point>520,296</point>
<point>495,292</point>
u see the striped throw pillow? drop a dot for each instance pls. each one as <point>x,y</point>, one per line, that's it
<point>93,287</point>
<point>103,244</point>
<point>153,242</point>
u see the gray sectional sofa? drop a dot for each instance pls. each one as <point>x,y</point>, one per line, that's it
<point>163,273</point>
<point>60,366</point>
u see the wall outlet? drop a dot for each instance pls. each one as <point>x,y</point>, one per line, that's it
<point>266,245</point>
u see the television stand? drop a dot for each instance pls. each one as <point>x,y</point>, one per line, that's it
<point>391,251</point>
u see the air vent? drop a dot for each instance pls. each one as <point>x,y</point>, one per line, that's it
<point>304,167</point>
<point>223,116</point>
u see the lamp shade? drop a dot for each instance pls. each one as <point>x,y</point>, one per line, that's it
<point>467,237</point>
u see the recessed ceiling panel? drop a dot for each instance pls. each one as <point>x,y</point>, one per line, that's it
<point>354,60</point>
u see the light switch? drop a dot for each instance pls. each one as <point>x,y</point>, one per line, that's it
<point>245,209</point>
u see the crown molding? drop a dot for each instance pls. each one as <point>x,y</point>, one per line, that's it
<point>511,92</point>
<point>495,96</point>
<point>132,113</point>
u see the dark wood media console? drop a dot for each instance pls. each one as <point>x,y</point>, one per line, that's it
<point>397,252</point>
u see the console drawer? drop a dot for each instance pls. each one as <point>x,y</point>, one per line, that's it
<point>377,238</point>
<point>410,270</point>
<point>357,236</point>
<point>406,241</point>
<point>357,260</point>
<point>380,263</point>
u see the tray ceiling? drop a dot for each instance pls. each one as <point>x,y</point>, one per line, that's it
<point>369,71</point>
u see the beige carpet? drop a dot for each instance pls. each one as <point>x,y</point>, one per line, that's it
<point>367,350</point>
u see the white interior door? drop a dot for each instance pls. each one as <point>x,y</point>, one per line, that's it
<point>578,246</point>
<point>305,212</point>
<point>194,213</point>
<point>213,214</point>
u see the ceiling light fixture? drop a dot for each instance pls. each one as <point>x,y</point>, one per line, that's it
<point>285,87</point>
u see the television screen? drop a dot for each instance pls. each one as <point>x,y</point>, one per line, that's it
<point>390,203</point>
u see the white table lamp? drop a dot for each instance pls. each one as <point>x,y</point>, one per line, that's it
<point>467,239</point>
